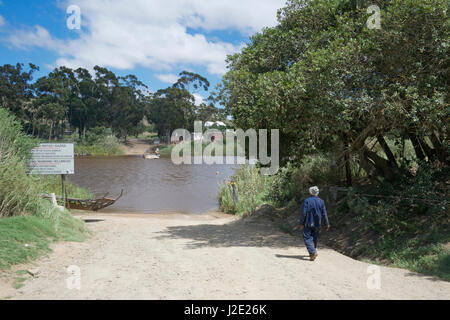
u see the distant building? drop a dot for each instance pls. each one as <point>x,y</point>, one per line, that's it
<point>210,124</point>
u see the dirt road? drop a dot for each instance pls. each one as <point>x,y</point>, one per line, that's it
<point>211,256</point>
<point>136,147</point>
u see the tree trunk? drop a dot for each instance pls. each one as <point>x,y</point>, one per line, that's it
<point>430,153</point>
<point>387,151</point>
<point>439,147</point>
<point>33,125</point>
<point>50,134</point>
<point>416,144</point>
<point>381,165</point>
<point>348,172</point>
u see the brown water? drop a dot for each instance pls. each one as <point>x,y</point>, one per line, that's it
<point>152,185</point>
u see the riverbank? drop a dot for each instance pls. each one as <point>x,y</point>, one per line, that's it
<point>424,251</point>
<point>368,222</point>
<point>210,256</point>
<point>135,147</point>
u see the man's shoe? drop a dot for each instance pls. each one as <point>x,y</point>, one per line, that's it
<point>313,257</point>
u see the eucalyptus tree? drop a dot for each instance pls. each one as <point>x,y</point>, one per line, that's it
<point>17,91</point>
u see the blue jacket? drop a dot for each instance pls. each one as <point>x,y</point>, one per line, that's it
<point>313,211</point>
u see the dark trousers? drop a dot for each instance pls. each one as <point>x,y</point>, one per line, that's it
<point>311,236</point>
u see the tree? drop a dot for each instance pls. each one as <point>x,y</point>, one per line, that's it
<point>332,85</point>
<point>16,90</point>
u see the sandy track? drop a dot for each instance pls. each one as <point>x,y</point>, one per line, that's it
<point>211,256</point>
<point>136,147</point>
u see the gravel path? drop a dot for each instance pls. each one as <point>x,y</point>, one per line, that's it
<point>211,256</point>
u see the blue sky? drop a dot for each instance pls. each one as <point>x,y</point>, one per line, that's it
<point>153,39</point>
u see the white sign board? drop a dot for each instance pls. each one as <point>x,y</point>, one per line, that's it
<point>52,158</point>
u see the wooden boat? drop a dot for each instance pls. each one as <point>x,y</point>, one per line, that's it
<point>89,204</point>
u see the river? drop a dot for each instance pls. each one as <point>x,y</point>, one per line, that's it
<point>152,185</point>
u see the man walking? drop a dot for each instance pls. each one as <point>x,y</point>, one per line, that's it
<point>312,213</point>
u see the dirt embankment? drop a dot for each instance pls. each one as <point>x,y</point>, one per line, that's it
<point>210,256</point>
<point>136,146</point>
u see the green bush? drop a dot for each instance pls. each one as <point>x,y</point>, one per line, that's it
<point>18,191</point>
<point>293,181</point>
<point>251,190</point>
<point>95,135</point>
<point>408,219</point>
<point>28,223</point>
<point>98,143</point>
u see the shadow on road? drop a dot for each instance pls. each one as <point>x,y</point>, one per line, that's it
<point>240,233</point>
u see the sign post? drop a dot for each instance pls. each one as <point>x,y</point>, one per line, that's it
<point>53,159</point>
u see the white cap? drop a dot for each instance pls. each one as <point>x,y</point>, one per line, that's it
<point>314,191</point>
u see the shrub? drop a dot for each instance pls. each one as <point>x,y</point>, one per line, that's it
<point>251,189</point>
<point>18,191</point>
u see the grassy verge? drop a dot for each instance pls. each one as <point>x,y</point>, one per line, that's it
<point>98,149</point>
<point>28,223</point>
<point>95,144</point>
<point>25,238</point>
<point>385,233</point>
<point>52,184</point>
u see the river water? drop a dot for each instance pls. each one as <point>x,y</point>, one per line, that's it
<point>152,185</point>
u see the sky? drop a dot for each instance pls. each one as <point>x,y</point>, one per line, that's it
<point>152,39</point>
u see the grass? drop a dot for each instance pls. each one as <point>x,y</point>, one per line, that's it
<point>252,190</point>
<point>21,277</point>
<point>98,150</point>
<point>426,254</point>
<point>104,146</point>
<point>52,184</point>
<point>25,238</point>
<point>402,233</point>
<point>28,223</point>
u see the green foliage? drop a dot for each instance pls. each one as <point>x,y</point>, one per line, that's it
<point>52,184</point>
<point>28,223</point>
<point>332,85</point>
<point>293,180</point>
<point>98,143</point>
<point>408,219</point>
<point>251,190</point>
<point>18,191</point>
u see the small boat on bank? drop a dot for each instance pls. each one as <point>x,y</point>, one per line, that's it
<point>88,204</point>
<point>151,156</point>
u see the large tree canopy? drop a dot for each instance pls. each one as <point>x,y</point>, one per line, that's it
<point>331,84</point>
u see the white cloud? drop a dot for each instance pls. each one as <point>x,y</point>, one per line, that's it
<point>125,34</point>
<point>2,20</point>
<point>167,78</point>
<point>198,99</point>
<point>36,37</point>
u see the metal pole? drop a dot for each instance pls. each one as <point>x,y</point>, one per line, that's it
<point>63,179</point>
<point>233,187</point>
